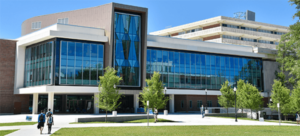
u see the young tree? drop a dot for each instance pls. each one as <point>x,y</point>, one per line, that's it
<point>255,99</point>
<point>295,98</point>
<point>240,95</point>
<point>226,100</point>
<point>108,96</point>
<point>154,93</point>
<point>281,95</point>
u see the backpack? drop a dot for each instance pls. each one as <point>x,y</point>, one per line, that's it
<point>48,114</point>
<point>41,118</point>
<point>50,120</point>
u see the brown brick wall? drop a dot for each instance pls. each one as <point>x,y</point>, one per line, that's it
<point>174,34</point>
<point>211,26</point>
<point>7,71</point>
<point>194,98</point>
<point>211,37</point>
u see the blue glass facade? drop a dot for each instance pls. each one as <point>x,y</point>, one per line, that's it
<point>38,64</point>
<point>80,63</point>
<point>127,48</point>
<point>202,71</point>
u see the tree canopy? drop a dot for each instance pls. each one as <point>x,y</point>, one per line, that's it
<point>227,98</point>
<point>108,96</point>
<point>154,93</point>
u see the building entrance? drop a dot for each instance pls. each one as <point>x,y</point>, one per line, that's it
<point>80,106</point>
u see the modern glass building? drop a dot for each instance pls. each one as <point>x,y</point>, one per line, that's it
<point>196,70</point>
<point>59,58</point>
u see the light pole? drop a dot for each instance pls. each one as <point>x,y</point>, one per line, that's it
<point>206,97</point>
<point>234,89</point>
<point>278,105</point>
<point>148,113</point>
<point>270,109</point>
<point>165,96</point>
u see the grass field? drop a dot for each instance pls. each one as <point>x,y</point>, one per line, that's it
<point>275,121</point>
<point>5,132</point>
<point>17,123</point>
<point>133,121</point>
<point>183,131</point>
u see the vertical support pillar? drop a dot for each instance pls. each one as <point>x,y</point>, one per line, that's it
<point>50,102</point>
<point>96,109</point>
<point>136,102</point>
<point>35,103</point>
<point>171,103</point>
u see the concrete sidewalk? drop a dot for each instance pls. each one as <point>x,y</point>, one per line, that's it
<point>62,121</point>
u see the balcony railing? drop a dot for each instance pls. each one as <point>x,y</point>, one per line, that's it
<point>199,33</point>
<point>249,32</point>
<point>255,44</point>
<point>218,30</point>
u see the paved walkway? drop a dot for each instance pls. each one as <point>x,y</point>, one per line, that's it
<point>62,121</point>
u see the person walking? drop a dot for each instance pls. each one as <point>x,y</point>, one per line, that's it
<point>48,113</point>
<point>155,115</point>
<point>50,122</point>
<point>297,118</point>
<point>202,111</point>
<point>41,120</point>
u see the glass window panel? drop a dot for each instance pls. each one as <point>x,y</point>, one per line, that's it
<point>198,64</point>
<point>188,63</point>
<point>193,64</point>
<point>176,59</point>
<point>159,60</point>
<point>171,62</point>
<point>154,60</point>
<point>182,65</point>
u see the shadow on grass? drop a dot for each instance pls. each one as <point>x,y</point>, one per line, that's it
<point>132,121</point>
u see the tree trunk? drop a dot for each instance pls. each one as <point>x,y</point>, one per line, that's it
<point>227,112</point>
<point>242,112</point>
<point>106,116</point>
<point>285,117</point>
<point>251,113</point>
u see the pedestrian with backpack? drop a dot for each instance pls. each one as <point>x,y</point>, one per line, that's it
<point>50,122</point>
<point>48,113</point>
<point>41,120</point>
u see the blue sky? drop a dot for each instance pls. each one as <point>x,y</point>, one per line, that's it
<point>162,13</point>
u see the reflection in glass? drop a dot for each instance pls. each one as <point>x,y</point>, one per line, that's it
<point>127,44</point>
<point>81,63</point>
<point>203,71</point>
<point>38,64</point>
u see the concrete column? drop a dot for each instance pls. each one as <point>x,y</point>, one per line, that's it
<point>96,109</point>
<point>35,100</point>
<point>135,102</point>
<point>171,103</point>
<point>50,102</point>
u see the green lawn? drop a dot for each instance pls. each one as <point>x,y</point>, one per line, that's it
<point>282,121</point>
<point>244,118</point>
<point>5,132</point>
<point>17,123</point>
<point>182,131</point>
<point>133,121</point>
